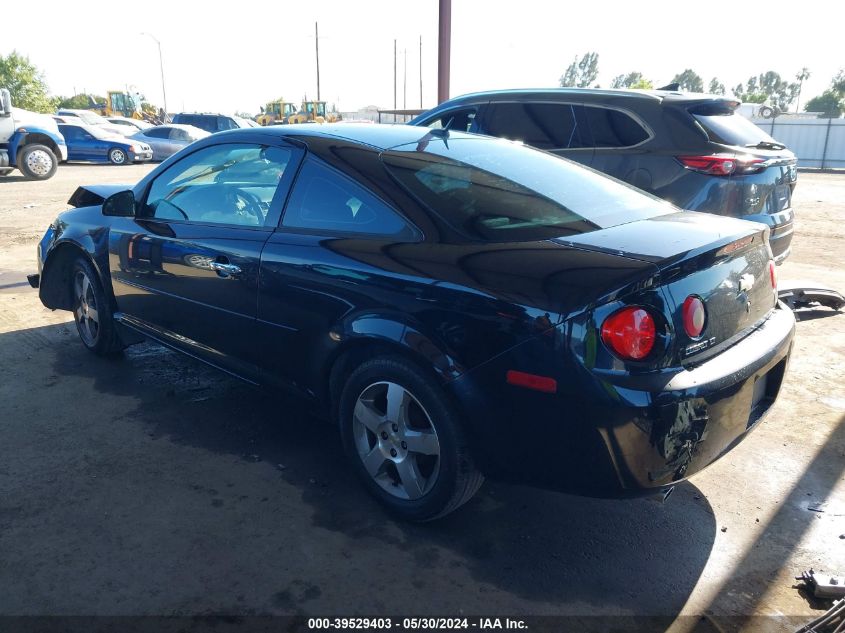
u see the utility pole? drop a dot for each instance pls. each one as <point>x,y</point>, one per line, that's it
<point>405,82</point>
<point>394,76</point>
<point>317,47</point>
<point>421,99</point>
<point>161,67</point>
<point>444,50</point>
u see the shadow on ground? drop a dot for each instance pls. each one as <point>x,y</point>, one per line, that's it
<point>511,549</point>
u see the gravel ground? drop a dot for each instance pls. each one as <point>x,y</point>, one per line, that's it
<point>153,485</point>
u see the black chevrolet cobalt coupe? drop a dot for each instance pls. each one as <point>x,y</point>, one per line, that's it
<point>459,306</point>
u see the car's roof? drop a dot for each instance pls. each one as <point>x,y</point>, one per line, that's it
<point>589,94</point>
<point>71,111</point>
<point>379,136</point>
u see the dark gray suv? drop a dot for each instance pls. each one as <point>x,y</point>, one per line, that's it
<point>694,150</point>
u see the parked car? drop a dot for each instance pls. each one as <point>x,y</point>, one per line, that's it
<point>132,125</point>
<point>210,122</point>
<point>694,150</point>
<point>458,305</point>
<point>91,143</point>
<point>166,140</point>
<point>92,118</point>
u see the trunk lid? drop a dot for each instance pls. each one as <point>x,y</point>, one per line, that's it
<point>724,262</point>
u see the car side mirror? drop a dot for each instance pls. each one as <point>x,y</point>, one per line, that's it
<point>5,103</point>
<point>120,204</point>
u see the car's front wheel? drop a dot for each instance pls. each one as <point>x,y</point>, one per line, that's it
<point>405,439</point>
<point>38,162</point>
<point>117,156</point>
<point>91,311</point>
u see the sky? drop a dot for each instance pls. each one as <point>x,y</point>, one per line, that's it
<point>228,56</point>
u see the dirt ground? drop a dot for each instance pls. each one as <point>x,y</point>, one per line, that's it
<point>153,485</point>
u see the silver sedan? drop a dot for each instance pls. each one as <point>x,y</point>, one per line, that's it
<point>166,140</point>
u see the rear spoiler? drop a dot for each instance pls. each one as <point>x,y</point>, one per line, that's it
<point>93,195</point>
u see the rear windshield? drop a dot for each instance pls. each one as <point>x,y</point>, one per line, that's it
<point>496,190</point>
<point>730,128</point>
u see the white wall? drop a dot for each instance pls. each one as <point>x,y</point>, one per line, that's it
<point>816,142</point>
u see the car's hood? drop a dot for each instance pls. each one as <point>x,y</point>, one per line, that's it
<point>25,117</point>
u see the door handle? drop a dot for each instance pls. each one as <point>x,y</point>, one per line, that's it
<point>225,270</point>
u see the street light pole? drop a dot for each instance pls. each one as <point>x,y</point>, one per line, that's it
<point>161,67</point>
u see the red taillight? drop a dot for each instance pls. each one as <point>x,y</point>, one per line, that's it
<point>694,316</point>
<point>531,381</point>
<point>721,164</point>
<point>629,333</point>
<point>773,275</point>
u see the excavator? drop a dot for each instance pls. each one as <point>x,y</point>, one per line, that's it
<point>276,113</point>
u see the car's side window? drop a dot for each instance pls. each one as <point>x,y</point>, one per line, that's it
<point>178,135</point>
<point>159,132</point>
<point>614,128</point>
<point>220,184</point>
<point>325,200</point>
<point>542,125</point>
<point>458,120</point>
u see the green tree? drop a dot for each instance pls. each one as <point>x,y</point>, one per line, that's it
<point>25,83</point>
<point>768,86</point>
<point>830,104</point>
<point>581,72</point>
<point>802,76</point>
<point>81,101</point>
<point>689,81</point>
<point>716,87</point>
<point>633,80</point>
<point>838,83</point>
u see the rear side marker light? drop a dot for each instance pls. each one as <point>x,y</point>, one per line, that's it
<point>531,381</point>
<point>694,316</point>
<point>773,274</point>
<point>629,333</point>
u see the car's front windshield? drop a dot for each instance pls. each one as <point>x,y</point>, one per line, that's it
<point>498,190</point>
<point>98,132</point>
<point>195,133</point>
<point>91,118</point>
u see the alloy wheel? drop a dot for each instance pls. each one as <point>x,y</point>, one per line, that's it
<point>396,440</point>
<point>87,317</point>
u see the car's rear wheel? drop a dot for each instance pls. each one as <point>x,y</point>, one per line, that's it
<point>91,311</point>
<point>405,439</point>
<point>117,156</point>
<point>38,162</point>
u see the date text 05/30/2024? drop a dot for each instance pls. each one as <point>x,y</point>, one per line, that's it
<point>416,624</point>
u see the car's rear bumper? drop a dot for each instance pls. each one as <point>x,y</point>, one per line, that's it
<point>624,434</point>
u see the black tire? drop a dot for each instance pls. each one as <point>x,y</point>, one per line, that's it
<point>37,162</point>
<point>92,311</point>
<point>118,157</point>
<point>456,479</point>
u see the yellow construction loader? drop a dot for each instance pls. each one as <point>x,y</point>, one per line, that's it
<point>314,112</point>
<point>276,112</point>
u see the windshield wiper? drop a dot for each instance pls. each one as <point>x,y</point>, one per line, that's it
<point>767,145</point>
